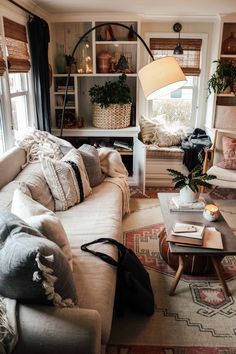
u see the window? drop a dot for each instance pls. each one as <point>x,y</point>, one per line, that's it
<point>178,108</point>
<point>2,140</point>
<point>19,102</point>
<point>18,65</point>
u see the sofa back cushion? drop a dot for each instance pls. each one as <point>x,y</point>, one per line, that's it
<point>11,163</point>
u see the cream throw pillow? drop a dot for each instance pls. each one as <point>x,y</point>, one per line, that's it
<point>164,137</point>
<point>43,219</point>
<point>67,179</point>
<point>32,176</point>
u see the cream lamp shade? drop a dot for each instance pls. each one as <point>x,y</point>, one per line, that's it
<point>161,77</point>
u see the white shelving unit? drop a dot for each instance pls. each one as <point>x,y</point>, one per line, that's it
<point>66,34</point>
<point>224,112</point>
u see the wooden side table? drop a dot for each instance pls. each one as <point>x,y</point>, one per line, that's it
<point>228,238</point>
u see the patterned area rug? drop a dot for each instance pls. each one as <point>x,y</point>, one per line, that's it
<point>198,319</point>
<point>151,192</point>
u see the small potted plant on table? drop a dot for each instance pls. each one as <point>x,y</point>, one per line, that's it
<point>189,184</point>
<point>111,104</point>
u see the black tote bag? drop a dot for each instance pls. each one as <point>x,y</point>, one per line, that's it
<point>133,287</point>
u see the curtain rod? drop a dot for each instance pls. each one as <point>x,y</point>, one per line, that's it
<point>22,8</point>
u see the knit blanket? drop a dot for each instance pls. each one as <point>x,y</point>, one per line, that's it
<point>39,144</point>
<point>112,165</point>
<point>8,327</point>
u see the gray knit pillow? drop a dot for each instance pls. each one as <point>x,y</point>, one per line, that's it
<point>92,164</point>
<point>33,269</point>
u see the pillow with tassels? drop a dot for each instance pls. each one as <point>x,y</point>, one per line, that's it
<point>33,269</point>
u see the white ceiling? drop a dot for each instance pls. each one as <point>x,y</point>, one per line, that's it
<point>142,7</point>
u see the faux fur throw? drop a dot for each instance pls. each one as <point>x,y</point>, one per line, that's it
<point>113,167</point>
<point>39,144</point>
<point>8,327</point>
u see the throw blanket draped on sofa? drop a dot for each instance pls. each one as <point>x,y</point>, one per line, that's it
<point>112,166</point>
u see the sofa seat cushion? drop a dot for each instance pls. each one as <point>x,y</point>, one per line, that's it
<point>100,215</point>
<point>222,175</point>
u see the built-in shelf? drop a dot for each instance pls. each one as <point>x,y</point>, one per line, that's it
<point>93,132</point>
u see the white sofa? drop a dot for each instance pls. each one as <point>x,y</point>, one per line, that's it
<point>83,329</point>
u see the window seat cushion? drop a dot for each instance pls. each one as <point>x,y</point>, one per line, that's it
<point>171,152</point>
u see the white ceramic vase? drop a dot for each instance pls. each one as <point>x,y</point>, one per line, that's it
<point>187,195</point>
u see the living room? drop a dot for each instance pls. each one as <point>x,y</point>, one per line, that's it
<point>54,59</point>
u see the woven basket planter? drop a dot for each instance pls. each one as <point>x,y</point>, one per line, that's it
<point>116,116</point>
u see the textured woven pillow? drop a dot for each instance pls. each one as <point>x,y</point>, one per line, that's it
<point>42,219</point>
<point>92,164</point>
<point>67,179</point>
<point>32,268</point>
<point>147,129</point>
<point>229,152</point>
<point>165,138</point>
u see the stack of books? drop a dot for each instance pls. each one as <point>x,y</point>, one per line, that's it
<point>194,235</point>
<point>177,205</point>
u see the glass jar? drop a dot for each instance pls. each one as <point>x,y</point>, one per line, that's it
<point>229,44</point>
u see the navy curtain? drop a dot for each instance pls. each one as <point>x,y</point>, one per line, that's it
<point>39,37</point>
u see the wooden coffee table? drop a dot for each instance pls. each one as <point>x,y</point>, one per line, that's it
<point>228,238</point>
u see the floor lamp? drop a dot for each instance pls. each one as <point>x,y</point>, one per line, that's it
<point>157,78</point>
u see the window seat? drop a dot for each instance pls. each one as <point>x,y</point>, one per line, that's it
<point>157,160</point>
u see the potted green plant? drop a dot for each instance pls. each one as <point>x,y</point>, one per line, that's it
<point>189,184</point>
<point>111,104</point>
<point>224,78</point>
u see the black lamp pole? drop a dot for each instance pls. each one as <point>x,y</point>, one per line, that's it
<point>72,56</point>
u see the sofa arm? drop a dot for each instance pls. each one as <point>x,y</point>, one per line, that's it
<point>53,330</point>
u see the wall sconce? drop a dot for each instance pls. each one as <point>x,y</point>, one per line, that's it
<point>178,49</point>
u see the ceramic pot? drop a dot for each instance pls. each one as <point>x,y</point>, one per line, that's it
<point>187,195</point>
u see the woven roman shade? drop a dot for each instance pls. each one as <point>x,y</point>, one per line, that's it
<point>2,61</point>
<point>189,61</point>
<point>17,50</point>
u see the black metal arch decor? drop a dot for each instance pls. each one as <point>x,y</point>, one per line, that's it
<point>73,53</point>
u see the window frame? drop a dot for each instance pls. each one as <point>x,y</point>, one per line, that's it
<point>7,119</point>
<point>199,101</point>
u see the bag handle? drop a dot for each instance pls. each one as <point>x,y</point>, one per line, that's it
<point>103,256</point>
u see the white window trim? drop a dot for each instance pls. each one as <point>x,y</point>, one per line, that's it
<point>202,85</point>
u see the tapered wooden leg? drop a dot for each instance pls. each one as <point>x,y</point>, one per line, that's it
<point>177,275</point>
<point>216,265</point>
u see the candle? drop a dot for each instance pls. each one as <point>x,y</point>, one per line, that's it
<point>211,212</point>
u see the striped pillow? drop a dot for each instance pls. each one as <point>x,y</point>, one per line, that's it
<point>67,179</point>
